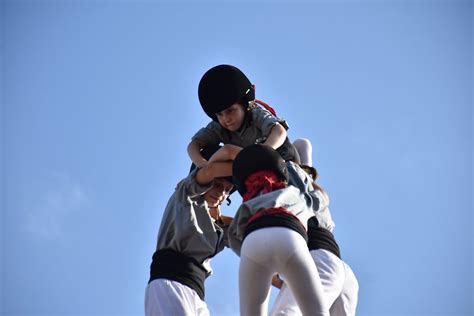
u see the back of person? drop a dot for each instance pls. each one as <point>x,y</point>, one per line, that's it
<point>269,233</point>
<point>190,235</point>
<point>338,280</point>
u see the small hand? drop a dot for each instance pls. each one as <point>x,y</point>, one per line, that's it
<point>226,220</point>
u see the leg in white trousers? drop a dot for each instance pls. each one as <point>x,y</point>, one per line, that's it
<point>165,297</point>
<point>346,303</point>
<point>340,286</point>
<point>272,250</point>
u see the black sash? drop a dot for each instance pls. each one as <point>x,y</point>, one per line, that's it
<point>276,220</point>
<point>172,265</point>
<point>321,238</point>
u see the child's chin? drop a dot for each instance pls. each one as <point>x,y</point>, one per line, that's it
<point>232,128</point>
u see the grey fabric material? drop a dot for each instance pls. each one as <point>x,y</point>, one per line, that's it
<point>186,225</point>
<point>255,132</point>
<point>289,198</point>
<point>300,179</point>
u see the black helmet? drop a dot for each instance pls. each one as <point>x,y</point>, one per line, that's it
<point>222,86</point>
<point>255,158</point>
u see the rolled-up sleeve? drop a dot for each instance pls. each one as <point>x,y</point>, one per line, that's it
<point>191,187</point>
<point>209,135</point>
<point>265,120</point>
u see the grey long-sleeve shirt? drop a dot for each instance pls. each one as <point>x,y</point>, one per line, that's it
<point>255,132</point>
<point>186,225</point>
<point>289,198</point>
<point>314,199</point>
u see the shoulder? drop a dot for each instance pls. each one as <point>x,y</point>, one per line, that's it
<point>189,187</point>
<point>290,192</point>
<point>265,119</point>
<point>258,111</point>
<point>214,126</point>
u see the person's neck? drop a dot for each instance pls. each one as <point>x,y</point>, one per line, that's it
<point>215,212</point>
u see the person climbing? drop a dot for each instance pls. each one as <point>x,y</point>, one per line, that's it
<point>339,282</point>
<point>192,231</point>
<point>269,233</point>
<point>228,98</point>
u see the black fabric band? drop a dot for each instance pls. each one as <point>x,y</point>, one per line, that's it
<point>173,265</point>
<point>321,238</point>
<point>276,220</point>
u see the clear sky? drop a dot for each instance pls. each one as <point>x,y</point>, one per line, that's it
<point>99,101</point>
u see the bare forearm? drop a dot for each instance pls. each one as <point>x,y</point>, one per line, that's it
<point>213,170</point>
<point>277,136</point>
<point>194,152</point>
<point>226,153</point>
<point>226,220</point>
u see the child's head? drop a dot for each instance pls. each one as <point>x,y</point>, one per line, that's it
<point>226,183</point>
<point>261,161</point>
<point>224,92</point>
<point>219,192</point>
<point>232,117</point>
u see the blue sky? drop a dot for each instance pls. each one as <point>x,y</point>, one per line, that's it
<point>99,100</point>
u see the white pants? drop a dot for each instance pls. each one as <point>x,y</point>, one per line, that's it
<point>272,250</point>
<point>165,297</point>
<point>340,286</point>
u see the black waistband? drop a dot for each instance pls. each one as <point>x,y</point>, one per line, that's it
<point>321,238</point>
<point>173,265</point>
<point>276,220</point>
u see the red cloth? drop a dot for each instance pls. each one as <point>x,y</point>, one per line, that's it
<point>262,182</point>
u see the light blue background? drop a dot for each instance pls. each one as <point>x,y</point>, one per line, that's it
<point>99,101</point>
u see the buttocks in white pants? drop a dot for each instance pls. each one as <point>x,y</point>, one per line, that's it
<point>281,250</point>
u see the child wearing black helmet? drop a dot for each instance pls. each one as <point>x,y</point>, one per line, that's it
<point>228,98</point>
<point>191,233</point>
<point>269,233</point>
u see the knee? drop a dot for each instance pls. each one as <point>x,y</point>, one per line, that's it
<point>304,148</point>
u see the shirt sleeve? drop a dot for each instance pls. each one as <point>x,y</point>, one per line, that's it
<point>211,135</point>
<point>191,187</point>
<point>323,214</point>
<point>266,120</point>
<point>237,228</point>
<point>300,179</point>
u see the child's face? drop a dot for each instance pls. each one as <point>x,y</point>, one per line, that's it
<point>218,192</point>
<point>232,118</point>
